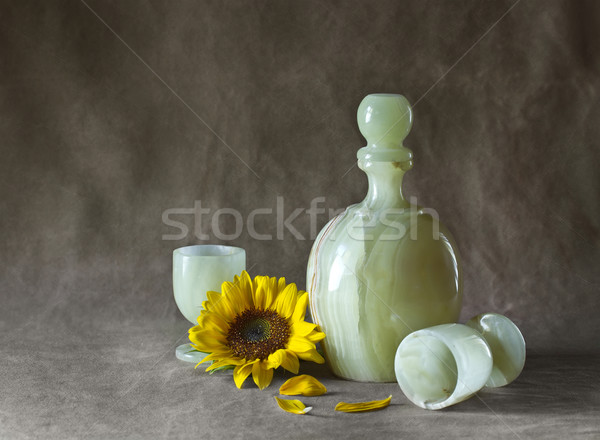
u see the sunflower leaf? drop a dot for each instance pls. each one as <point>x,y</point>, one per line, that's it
<point>224,367</point>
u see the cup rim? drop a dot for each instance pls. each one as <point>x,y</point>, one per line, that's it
<point>208,251</point>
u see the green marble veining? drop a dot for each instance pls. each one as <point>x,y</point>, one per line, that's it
<point>443,365</point>
<point>506,343</point>
<point>200,268</point>
<point>383,268</point>
<point>196,270</point>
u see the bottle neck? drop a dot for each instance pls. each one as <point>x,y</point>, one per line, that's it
<point>385,184</point>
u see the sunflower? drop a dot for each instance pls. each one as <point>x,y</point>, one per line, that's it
<point>256,326</point>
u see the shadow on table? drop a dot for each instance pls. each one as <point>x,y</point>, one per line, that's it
<point>548,384</point>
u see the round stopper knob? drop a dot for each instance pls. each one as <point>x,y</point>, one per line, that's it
<point>384,119</point>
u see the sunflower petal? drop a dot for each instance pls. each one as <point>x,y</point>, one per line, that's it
<point>235,295</point>
<point>316,336</point>
<point>363,406</point>
<point>205,307</point>
<point>292,406</point>
<point>262,374</point>
<point>211,321</point>
<point>255,282</point>
<point>285,303</point>
<point>241,373</point>
<point>207,342</point>
<point>260,296</point>
<point>300,309</point>
<point>281,284</point>
<point>219,364</point>
<point>220,356</point>
<point>290,362</point>
<point>207,332</point>
<point>277,358</point>
<point>298,344</point>
<point>311,355</point>
<point>263,298</point>
<point>213,297</point>
<point>302,328</point>
<point>305,385</point>
<point>220,304</point>
<point>245,284</point>
<point>273,292</point>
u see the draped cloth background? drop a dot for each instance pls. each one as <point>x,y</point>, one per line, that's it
<point>115,112</point>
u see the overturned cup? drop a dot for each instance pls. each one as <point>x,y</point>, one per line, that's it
<point>443,365</point>
<point>506,344</point>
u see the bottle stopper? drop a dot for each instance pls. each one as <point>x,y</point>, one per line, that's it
<point>385,120</point>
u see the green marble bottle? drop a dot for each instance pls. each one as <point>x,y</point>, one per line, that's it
<point>383,268</point>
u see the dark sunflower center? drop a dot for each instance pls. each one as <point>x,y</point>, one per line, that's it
<point>257,330</point>
<point>256,333</point>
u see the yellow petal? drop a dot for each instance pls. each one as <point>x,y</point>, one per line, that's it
<point>302,328</point>
<point>220,356</point>
<point>245,284</point>
<point>300,310</point>
<point>292,406</point>
<point>305,385</point>
<point>240,373</point>
<point>238,298</point>
<point>277,358</point>
<point>281,284</point>
<point>208,334</point>
<point>260,296</point>
<point>207,342</point>
<point>290,362</point>
<point>213,322</point>
<point>272,285</point>
<point>316,336</point>
<point>311,355</point>
<point>205,307</point>
<point>221,363</point>
<point>262,374</point>
<point>221,305</point>
<point>285,303</point>
<point>213,297</point>
<point>265,292</point>
<point>363,406</point>
<point>255,282</point>
<point>298,344</point>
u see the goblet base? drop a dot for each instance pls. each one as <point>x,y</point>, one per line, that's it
<point>184,353</point>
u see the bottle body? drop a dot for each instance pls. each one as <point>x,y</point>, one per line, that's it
<point>376,275</point>
<point>384,267</point>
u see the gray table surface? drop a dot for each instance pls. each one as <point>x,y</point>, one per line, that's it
<point>72,376</point>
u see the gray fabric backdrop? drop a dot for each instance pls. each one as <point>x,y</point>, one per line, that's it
<point>237,103</point>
